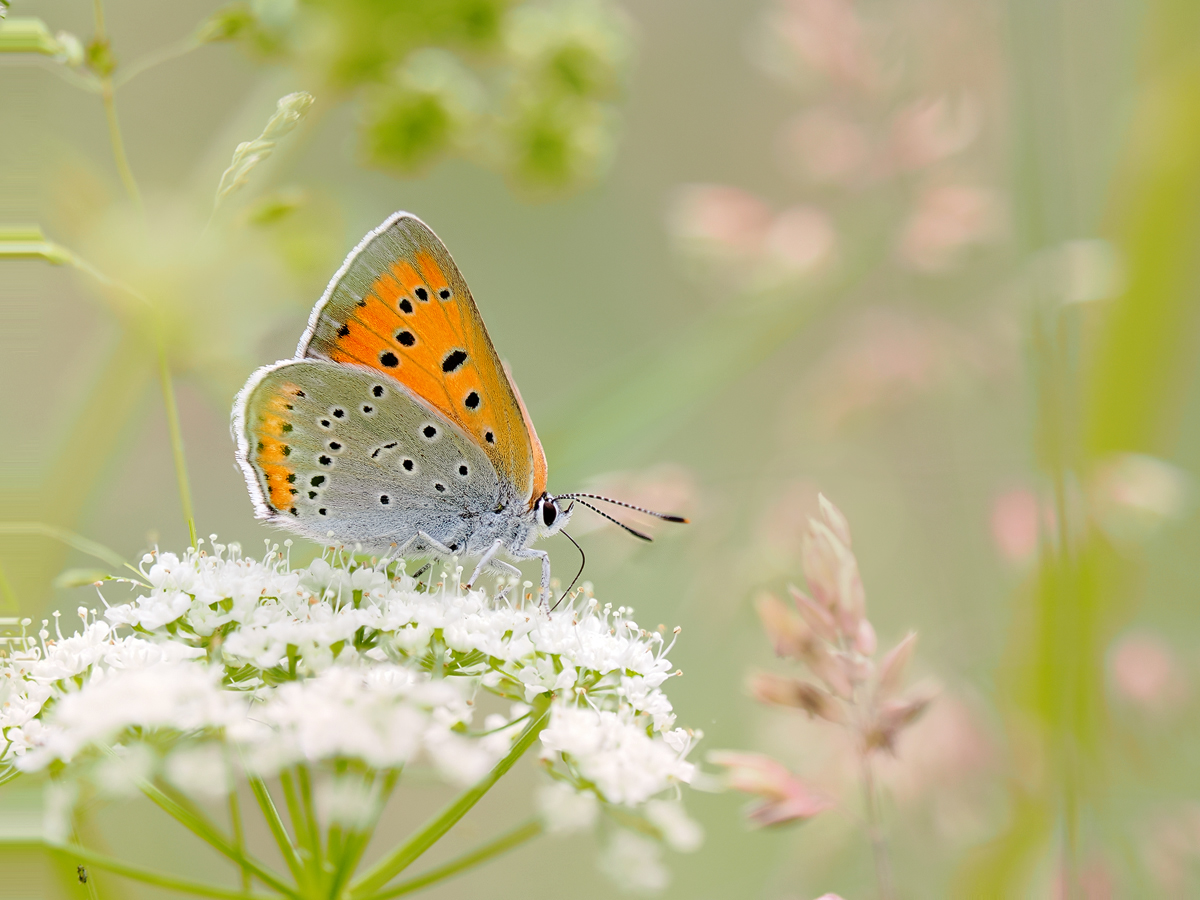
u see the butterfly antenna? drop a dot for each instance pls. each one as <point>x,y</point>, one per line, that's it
<point>664,516</point>
<point>582,563</point>
<point>633,531</point>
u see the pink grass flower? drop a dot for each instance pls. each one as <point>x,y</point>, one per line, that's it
<point>785,797</point>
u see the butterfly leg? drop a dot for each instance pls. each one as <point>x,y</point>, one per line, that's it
<point>396,551</point>
<point>488,556</point>
<point>530,553</point>
<point>443,552</point>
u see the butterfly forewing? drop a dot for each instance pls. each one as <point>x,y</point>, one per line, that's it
<point>337,448</point>
<point>400,306</point>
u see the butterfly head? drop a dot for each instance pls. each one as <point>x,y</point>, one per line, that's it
<point>551,515</point>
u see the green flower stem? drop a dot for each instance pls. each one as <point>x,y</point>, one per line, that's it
<point>176,432</point>
<point>309,806</point>
<point>118,145</point>
<point>355,842</point>
<point>156,58</point>
<point>185,812</point>
<point>429,834</point>
<point>239,838</point>
<point>82,855</point>
<point>33,245</point>
<point>110,113</point>
<point>309,856</point>
<point>278,829</point>
<point>480,855</point>
<point>70,538</point>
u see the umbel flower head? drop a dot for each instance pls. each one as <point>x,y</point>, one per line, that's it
<point>223,666</point>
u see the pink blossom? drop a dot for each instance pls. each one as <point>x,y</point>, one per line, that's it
<point>1145,672</point>
<point>786,798</point>
<point>932,129</point>
<point>828,37</point>
<point>1015,524</point>
<point>947,219</point>
<point>800,239</point>
<point>720,218</point>
<point>825,147</point>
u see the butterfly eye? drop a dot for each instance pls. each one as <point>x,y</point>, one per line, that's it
<point>549,514</point>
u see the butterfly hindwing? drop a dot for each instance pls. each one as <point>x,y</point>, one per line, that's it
<point>400,306</point>
<point>328,447</point>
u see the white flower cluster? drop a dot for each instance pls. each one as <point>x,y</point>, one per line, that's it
<point>223,661</point>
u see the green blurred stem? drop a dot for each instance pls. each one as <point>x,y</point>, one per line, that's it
<point>278,829</point>
<point>879,848</point>
<point>118,145</point>
<point>57,254</point>
<point>514,838</point>
<point>110,113</point>
<point>82,855</point>
<point>187,814</point>
<point>176,432</point>
<point>307,824</point>
<point>239,839</point>
<point>70,538</point>
<point>433,830</point>
<point>156,58</point>
<point>308,855</point>
<point>354,843</point>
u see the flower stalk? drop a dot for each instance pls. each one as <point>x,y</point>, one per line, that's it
<point>425,837</point>
<point>827,629</point>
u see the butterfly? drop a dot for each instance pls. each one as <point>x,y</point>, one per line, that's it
<point>396,425</point>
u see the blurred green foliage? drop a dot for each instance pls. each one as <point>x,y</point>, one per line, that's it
<point>525,88</point>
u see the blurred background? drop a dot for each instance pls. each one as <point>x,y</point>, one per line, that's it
<point>936,259</point>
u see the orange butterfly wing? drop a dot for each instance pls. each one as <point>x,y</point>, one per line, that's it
<point>400,306</point>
